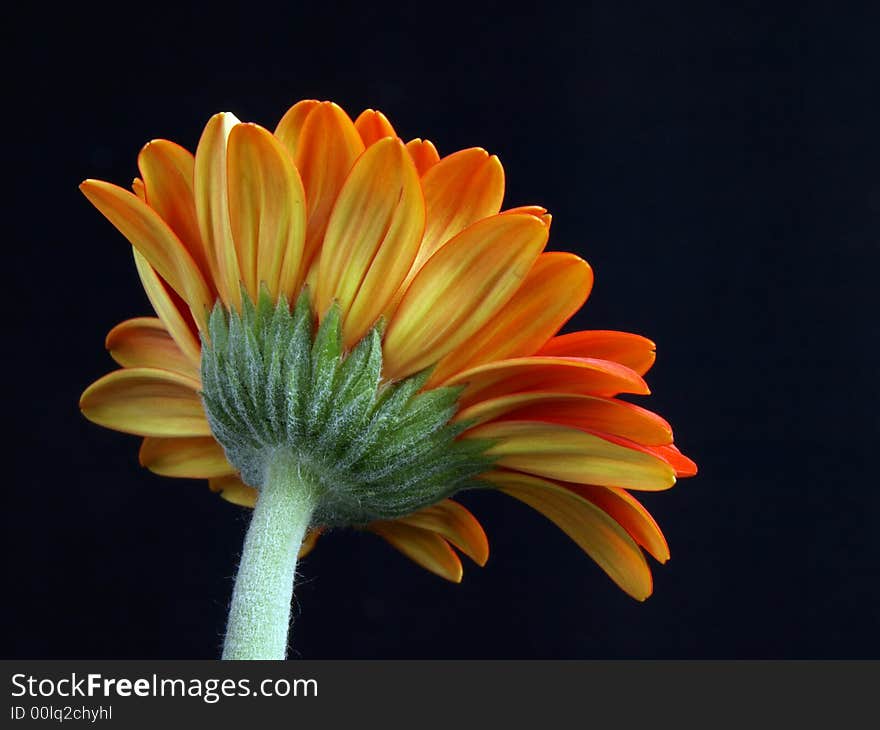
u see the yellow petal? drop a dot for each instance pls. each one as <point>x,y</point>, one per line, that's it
<point>460,289</point>
<point>591,528</point>
<point>291,124</point>
<point>199,457</point>
<point>232,489</point>
<point>144,342</point>
<point>426,548</point>
<point>555,288</point>
<point>456,524</point>
<point>557,374</point>
<point>168,170</point>
<point>212,206</point>
<point>372,237</point>
<point>146,402</point>
<point>587,412</point>
<point>559,452</point>
<point>326,149</point>
<point>266,211</point>
<point>150,235</point>
<point>460,189</point>
<point>373,126</point>
<point>629,513</point>
<point>170,312</point>
<point>424,154</point>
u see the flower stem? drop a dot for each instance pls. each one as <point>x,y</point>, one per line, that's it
<point>259,616</point>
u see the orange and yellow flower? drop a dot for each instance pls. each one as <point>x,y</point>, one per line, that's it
<point>390,230</point>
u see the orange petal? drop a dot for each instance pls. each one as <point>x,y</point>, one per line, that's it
<point>684,467</point>
<point>629,513</point>
<point>139,189</point>
<point>372,237</point>
<point>460,289</point>
<point>634,351</point>
<point>200,457</point>
<point>327,147</point>
<point>309,541</point>
<point>170,312</point>
<point>148,233</point>
<point>168,170</point>
<point>559,452</point>
<point>373,126</point>
<point>595,532</point>
<point>290,127</point>
<point>461,189</point>
<point>421,546</point>
<point>556,374</point>
<point>539,211</point>
<point>424,154</point>
<point>232,489</point>
<point>456,524</point>
<point>266,211</point>
<point>587,412</point>
<point>212,206</point>
<point>146,402</point>
<point>680,464</point>
<point>144,342</point>
<point>555,288</point>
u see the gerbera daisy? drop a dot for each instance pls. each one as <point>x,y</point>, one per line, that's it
<point>349,331</point>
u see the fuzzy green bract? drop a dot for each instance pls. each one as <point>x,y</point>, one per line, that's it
<point>370,449</point>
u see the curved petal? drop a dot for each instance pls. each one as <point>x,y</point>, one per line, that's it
<point>586,412</point>
<point>168,171</point>
<point>266,211</point>
<point>146,402</point>
<point>684,467</point>
<point>556,374</point>
<point>559,452</point>
<point>144,342</point>
<point>681,465</point>
<point>290,127</point>
<point>309,541</point>
<point>327,147</point>
<point>199,457</point>
<point>424,154</point>
<point>595,532</point>
<point>456,524</point>
<point>372,237</point>
<point>460,288</point>
<point>232,489</point>
<point>139,189</point>
<point>169,311</point>
<point>373,126</point>
<point>555,288</point>
<point>460,189</point>
<point>634,351</point>
<point>426,548</point>
<point>150,235</point>
<point>629,513</point>
<point>212,206</point>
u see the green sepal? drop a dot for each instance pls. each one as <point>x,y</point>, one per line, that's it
<point>377,449</point>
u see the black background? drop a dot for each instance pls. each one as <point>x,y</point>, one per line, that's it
<point>718,166</point>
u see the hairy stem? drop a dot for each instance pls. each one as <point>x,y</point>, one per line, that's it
<point>259,616</point>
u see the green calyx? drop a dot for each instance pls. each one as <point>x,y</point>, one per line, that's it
<point>372,449</point>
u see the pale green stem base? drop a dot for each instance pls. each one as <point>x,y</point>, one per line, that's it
<point>259,616</point>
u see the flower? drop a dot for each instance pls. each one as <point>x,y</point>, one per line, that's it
<point>411,248</point>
